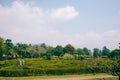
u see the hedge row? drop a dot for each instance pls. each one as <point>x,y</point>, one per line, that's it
<point>51,67</point>
<point>33,72</point>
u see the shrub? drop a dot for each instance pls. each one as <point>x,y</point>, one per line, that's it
<point>67,56</point>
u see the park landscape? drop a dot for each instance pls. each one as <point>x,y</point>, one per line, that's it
<point>59,40</point>
<point>22,60</point>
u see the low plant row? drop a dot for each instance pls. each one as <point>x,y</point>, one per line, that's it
<point>33,72</point>
<point>51,67</point>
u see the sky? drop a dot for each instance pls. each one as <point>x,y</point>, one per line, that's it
<point>81,23</point>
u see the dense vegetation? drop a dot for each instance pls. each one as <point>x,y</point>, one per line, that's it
<point>37,66</point>
<point>26,59</point>
<point>8,50</point>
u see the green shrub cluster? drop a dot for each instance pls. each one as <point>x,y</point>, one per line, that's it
<point>37,66</point>
<point>32,72</point>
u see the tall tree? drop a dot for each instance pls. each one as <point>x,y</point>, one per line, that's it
<point>69,49</point>
<point>115,53</point>
<point>21,49</point>
<point>87,51</point>
<point>2,47</point>
<point>9,47</point>
<point>96,52</point>
<point>80,51</point>
<point>105,51</point>
<point>43,45</point>
<point>50,49</point>
<point>58,50</point>
<point>36,51</point>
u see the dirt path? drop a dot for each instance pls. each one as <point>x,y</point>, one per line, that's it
<point>83,77</point>
<point>65,77</point>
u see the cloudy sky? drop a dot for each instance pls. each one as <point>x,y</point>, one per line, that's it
<point>82,23</point>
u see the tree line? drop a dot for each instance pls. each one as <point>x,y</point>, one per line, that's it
<point>8,50</point>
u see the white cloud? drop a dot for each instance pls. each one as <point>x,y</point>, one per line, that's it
<point>90,40</point>
<point>28,23</point>
<point>22,11</point>
<point>65,13</point>
<point>23,22</point>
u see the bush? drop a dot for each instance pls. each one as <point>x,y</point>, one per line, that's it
<point>32,72</point>
<point>16,73</point>
<point>67,56</point>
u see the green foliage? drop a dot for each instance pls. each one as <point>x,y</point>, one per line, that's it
<point>96,52</point>
<point>36,51</point>
<point>87,51</point>
<point>69,49</point>
<point>21,49</point>
<point>36,66</point>
<point>80,51</point>
<point>81,57</point>
<point>67,56</point>
<point>96,65</point>
<point>57,51</point>
<point>9,45</point>
<point>2,47</point>
<point>43,45</point>
<point>113,67</point>
<point>68,60</point>
<point>48,56</point>
<point>11,73</point>
<point>105,51</point>
<point>43,67</point>
<point>50,49</point>
<point>115,53</point>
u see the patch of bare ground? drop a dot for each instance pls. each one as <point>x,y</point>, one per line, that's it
<point>83,77</point>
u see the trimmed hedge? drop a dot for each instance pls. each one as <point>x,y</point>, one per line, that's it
<point>33,72</point>
<point>11,73</point>
<point>34,67</point>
